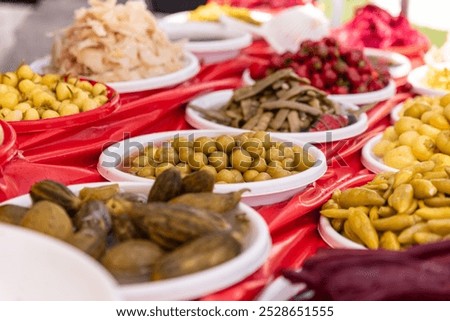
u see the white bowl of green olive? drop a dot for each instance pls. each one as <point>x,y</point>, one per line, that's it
<point>272,168</point>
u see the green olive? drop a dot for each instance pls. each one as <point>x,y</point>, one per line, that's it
<point>225,175</point>
<point>241,159</point>
<point>225,143</point>
<point>205,145</point>
<point>219,160</point>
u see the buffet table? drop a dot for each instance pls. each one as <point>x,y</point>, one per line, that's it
<point>70,156</point>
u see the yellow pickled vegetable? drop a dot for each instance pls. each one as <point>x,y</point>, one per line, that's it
<point>438,78</point>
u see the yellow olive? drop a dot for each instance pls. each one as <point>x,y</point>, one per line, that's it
<point>69,109</point>
<point>50,80</point>
<point>63,91</point>
<point>14,115</point>
<point>89,104</point>
<point>99,90</point>
<point>31,114</point>
<point>406,123</point>
<point>49,114</point>
<point>443,141</point>
<point>8,100</point>
<point>10,79</point>
<point>25,72</point>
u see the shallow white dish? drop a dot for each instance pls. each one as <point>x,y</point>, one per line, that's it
<point>357,99</point>
<point>261,193</point>
<point>417,80</point>
<point>183,17</point>
<point>36,267</point>
<point>212,43</point>
<point>371,161</point>
<point>333,238</point>
<point>217,99</point>
<point>190,70</point>
<point>403,66</point>
<point>255,252</point>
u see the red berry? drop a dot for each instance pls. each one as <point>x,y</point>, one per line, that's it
<point>342,90</point>
<point>302,71</point>
<point>317,81</point>
<point>353,76</point>
<point>330,77</point>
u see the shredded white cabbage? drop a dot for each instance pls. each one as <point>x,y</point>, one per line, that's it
<point>112,42</point>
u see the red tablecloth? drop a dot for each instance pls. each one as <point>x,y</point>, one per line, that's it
<point>70,156</point>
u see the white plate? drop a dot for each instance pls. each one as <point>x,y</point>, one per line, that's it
<point>36,267</point>
<point>334,239</point>
<point>395,113</point>
<point>403,63</point>
<point>217,99</point>
<point>190,69</point>
<point>255,252</point>
<point>261,193</point>
<point>357,99</point>
<point>417,80</point>
<point>224,44</point>
<point>371,161</point>
<point>183,17</point>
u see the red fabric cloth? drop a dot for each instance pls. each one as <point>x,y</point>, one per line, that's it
<point>70,156</point>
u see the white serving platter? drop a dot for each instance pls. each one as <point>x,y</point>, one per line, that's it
<point>190,70</point>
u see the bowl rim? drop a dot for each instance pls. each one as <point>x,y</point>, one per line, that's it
<point>108,283</point>
<point>416,76</point>
<point>357,99</point>
<point>196,120</point>
<point>190,70</point>
<point>370,161</point>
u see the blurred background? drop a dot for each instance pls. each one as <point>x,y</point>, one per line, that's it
<point>27,25</point>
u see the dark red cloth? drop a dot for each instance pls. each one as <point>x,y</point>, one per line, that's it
<point>70,156</point>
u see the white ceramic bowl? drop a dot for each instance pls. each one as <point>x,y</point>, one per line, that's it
<point>256,249</point>
<point>403,64</point>
<point>182,18</point>
<point>357,99</point>
<point>371,161</point>
<point>190,70</point>
<point>333,238</point>
<point>211,43</point>
<point>36,267</point>
<point>218,99</point>
<point>261,193</point>
<point>417,80</point>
